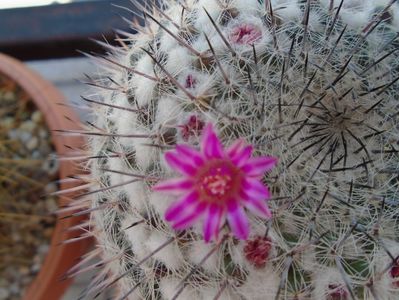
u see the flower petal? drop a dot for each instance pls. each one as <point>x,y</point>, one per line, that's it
<point>210,144</point>
<point>257,166</point>
<point>182,207</point>
<point>212,222</point>
<point>179,164</point>
<point>175,186</point>
<point>242,156</point>
<point>257,207</point>
<point>187,220</point>
<point>254,189</point>
<point>237,219</point>
<point>235,148</point>
<point>189,153</point>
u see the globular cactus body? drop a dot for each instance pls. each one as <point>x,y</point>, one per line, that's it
<point>313,83</point>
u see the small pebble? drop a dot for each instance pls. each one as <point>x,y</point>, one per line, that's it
<point>51,205</point>
<point>43,249</point>
<point>4,294</point>
<point>35,268</point>
<point>43,134</point>
<point>23,270</point>
<point>32,143</point>
<point>48,232</point>
<point>24,136</point>
<point>44,149</point>
<point>36,154</point>
<point>28,126</point>
<point>37,116</point>
<point>13,134</point>
<point>50,188</point>
<point>50,166</point>
<point>8,96</point>
<point>14,288</point>
<point>7,122</point>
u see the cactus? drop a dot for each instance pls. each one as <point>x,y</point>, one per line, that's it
<point>314,84</point>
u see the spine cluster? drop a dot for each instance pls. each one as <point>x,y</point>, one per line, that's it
<point>313,83</point>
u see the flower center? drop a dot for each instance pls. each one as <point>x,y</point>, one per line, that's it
<point>245,34</point>
<point>218,180</point>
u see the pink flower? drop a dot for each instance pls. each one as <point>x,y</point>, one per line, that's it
<point>215,184</point>
<point>245,34</point>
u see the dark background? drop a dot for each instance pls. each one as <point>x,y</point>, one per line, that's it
<point>59,30</point>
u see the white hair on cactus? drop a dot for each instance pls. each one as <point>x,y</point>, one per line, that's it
<point>287,10</point>
<point>143,87</point>
<point>124,121</point>
<point>197,251</point>
<point>160,202</point>
<point>247,6</point>
<point>170,256</point>
<point>327,281</point>
<point>168,112</point>
<point>168,40</point>
<point>145,155</point>
<point>137,193</point>
<point>169,285</point>
<point>201,18</point>
<point>223,291</point>
<point>178,59</point>
<point>260,285</point>
<point>137,235</point>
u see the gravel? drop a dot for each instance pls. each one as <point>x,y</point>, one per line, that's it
<point>28,170</point>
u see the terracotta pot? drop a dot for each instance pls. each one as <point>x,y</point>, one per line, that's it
<point>48,284</point>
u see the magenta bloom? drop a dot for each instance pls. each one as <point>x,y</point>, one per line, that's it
<point>216,183</point>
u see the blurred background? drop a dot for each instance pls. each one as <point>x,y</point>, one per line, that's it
<point>49,36</point>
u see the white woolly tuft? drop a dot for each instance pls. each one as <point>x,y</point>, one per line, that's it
<point>223,292</point>
<point>170,256</point>
<point>137,235</point>
<point>197,251</point>
<point>326,281</point>
<point>161,202</point>
<point>260,285</point>
<point>144,87</point>
<point>168,287</point>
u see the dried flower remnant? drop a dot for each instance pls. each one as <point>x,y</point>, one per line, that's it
<point>191,82</point>
<point>217,184</point>
<point>193,127</point>
<point>394,272</point>
<point>337,292</point>
<point>257,250</point>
